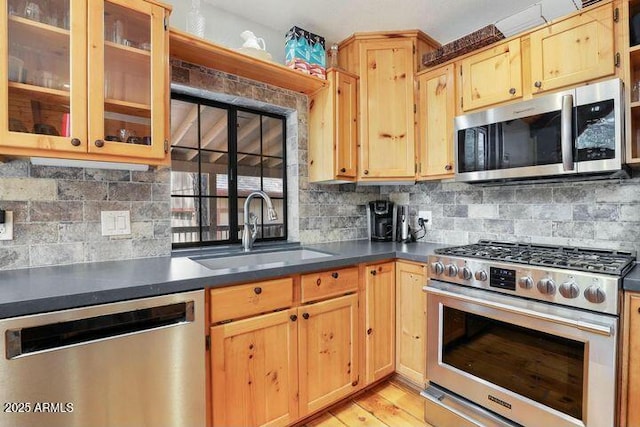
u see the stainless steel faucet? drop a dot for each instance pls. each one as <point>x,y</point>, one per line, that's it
<point>250,230</point>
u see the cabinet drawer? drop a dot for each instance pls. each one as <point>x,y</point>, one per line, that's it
<point>329,283</point>
<point>254,298</point>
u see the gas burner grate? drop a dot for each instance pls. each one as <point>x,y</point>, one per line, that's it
<point>583,259</point>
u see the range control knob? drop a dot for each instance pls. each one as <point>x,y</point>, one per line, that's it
<point>569,289</point>
<point>437,268</point>
<point>465,273</point>
<point>525,282</point>
<point>452,270</point>
<point>595,294</point>
<point>546,286</point>
<point>481,275</point>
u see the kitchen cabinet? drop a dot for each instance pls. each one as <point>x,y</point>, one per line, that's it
<point>436,112</point>
<point>386,64</point>
<point>87,83</point>
<point>630,360</point>
<point>333,129</point>
<point>631,63</point>
<point>492,76</point>
<point>380,309</point>
<point>254,371</point>
<point>411,322</point>
<point>282,349</point>
<point>574,50</point>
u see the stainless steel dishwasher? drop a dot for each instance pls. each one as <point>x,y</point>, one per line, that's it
<point>133,363</point>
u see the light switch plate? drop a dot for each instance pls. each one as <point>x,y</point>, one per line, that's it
<point>6,229</point>
<point>115,223</point>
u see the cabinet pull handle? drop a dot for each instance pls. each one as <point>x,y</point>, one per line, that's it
<point>366,172</point>
<point>305,315</point>
<point>448,167</point>
<point>373,272</point>
<point>335,275</point>
<point>343,170</point>
<point>538,84</point>
<point>369,331</point>
<point>355,383</point>
<point>257,290</point>
<point>293,317</point>
<point>75,142</point>
<point>99,143</point>
<point>512,91</point>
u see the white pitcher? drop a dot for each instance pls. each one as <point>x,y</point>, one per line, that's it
<point>251,41</point>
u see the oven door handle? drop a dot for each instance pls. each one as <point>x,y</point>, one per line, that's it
<point>584,325</point>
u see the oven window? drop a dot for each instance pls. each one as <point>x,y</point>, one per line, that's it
<point>543,367</point>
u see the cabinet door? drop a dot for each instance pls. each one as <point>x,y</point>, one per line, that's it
<point>43,92</point>
<point>346,97</point>
<point>492,76</point>
<point>254,371</point>
<point>632,363</point>
<point>436,93</point>
<point>128,87</point>
<point>380,321</point>
<point>328,351</point>
<point>386,109</point>
<point>573,51</point>
<point>411,322</point>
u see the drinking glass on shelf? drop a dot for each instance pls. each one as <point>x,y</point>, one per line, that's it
<point>124,134</point>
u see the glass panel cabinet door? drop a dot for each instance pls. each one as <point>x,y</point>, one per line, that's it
<point>127,86</point>
<point>43,93</point>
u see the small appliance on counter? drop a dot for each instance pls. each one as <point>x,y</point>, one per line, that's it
<point>382,220</point>
<point>403,233</point>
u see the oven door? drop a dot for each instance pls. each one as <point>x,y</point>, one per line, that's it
<point>533,363</point>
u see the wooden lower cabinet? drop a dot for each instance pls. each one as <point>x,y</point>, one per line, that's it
<point>631,361</point>
<point>411,322</point>
<point>379,320</point>
<point>328,351</point>
<point>254,372</point>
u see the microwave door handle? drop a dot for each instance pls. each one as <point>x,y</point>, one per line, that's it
<point>566,133</point>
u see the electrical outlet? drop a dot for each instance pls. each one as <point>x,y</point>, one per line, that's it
<point>6,229</point>
<point>426,218</point>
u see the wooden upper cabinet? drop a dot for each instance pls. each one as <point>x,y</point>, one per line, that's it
<point>333,129</point>
<point>572,51</point>
<point>631,361</point>
<point>436,111</point>
<point>328,351</point>
<point>254,371</point>
<point>88,83</point>
<point>387,144</point>
<point>380,318</point>
<point>492,76</point>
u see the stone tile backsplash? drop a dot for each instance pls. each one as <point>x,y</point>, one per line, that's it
<point>57,214</point>
<point>603,214</point>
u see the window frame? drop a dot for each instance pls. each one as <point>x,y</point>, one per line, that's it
<point>232,172</point>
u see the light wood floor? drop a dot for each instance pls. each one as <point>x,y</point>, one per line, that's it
<point>390,403</point>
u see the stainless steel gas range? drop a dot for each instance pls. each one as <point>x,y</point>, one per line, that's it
<point>521,334</point>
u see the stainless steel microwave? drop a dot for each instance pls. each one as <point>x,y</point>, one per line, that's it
<point>570,132</point>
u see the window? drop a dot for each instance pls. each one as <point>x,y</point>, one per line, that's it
<point>220,154</point>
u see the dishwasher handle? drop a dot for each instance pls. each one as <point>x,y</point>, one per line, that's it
<point>52,336</point>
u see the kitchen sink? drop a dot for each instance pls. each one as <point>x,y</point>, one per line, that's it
<point>258,259</point>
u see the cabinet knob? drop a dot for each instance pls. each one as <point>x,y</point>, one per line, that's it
<point>75,142</point>
<point>305,315</point>
<point>366,172</point>
<point>293,317</point>
<point>373,272</point>
<point>343,170</point>
<point>335,275</point>
<point>448,167</point>
<point>355,383</point>
<point>99,143</point>
<point>369,331</point>
<point>257,290</point>
<point>512,91</point>
<point>538,84</point>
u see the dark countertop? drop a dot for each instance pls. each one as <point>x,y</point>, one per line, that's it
<point>42,289</point>
<point>632,280</point>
